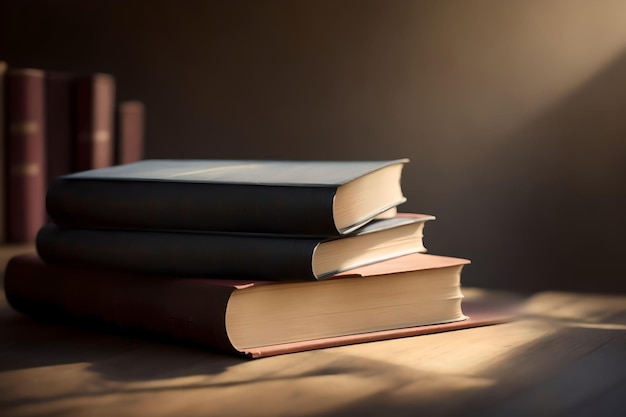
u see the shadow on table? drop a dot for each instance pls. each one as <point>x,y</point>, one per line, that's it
<point>568,354</point>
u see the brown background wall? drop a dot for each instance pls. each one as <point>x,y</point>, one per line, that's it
<point>512,112</point>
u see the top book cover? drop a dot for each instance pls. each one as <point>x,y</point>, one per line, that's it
<point>322,198</point>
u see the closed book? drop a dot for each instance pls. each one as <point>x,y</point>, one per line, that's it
<point>289,197</point>
<point>3,70</point>
<point>406,296</point>
<point>60,124</point>
<point>94,115</point>
<point>130,132</point>
<point>229,255</point>
<point>26,154</point>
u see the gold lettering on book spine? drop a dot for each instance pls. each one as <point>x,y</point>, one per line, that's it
<point>24,128</point>
<point>100,136</point>
<point>25,170</point>
<point>27,72</point>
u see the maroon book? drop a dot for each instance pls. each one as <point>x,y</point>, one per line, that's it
<point>130,132</point>
<point>408,296</point>
<point>3,70</point>
<point>59,123</point>
<point>26,160</point>
<point>94,104</point>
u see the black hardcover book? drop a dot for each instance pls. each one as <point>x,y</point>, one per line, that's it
<point>224,255</point>
<point>321,198</point>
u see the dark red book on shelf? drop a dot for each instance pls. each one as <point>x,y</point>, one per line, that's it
<point>26,156</point>
<point>3,70</point>
<point>130,132</point>
<point>59,123</point>
<point>408,296</point>
<point>94,112</point>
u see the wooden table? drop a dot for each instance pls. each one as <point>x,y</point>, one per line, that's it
<point>565,356</point>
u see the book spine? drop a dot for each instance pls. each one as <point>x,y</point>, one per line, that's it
<point>130,132</point>
<point>224,256</point>
<point>26,165</point>
<point>192,206</point>
<point>94,104</point>
<point>59,124</point>
<point>3,198</point>
<point>192,310</point>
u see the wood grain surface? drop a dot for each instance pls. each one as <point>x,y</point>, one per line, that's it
<point>564,355</point>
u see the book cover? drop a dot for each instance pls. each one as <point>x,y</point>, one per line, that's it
<point>60,124</point>
<point>26,160</point>
<point>3,70</point>
<point>290,197</point>
<point>197,310</point>
<point>253,256</point>
<point>130,132</point>
<point>94,110</point>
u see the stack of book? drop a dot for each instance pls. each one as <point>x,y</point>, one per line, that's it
<point>54,123</point>
<point>251,257</point>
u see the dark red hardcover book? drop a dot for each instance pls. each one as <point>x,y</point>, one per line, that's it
<point>413,295</point>
<point>94,104</point>
<point>59,123</point>
<point>130,132</point>
<point>26,155</point>
<point>3,70</point>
